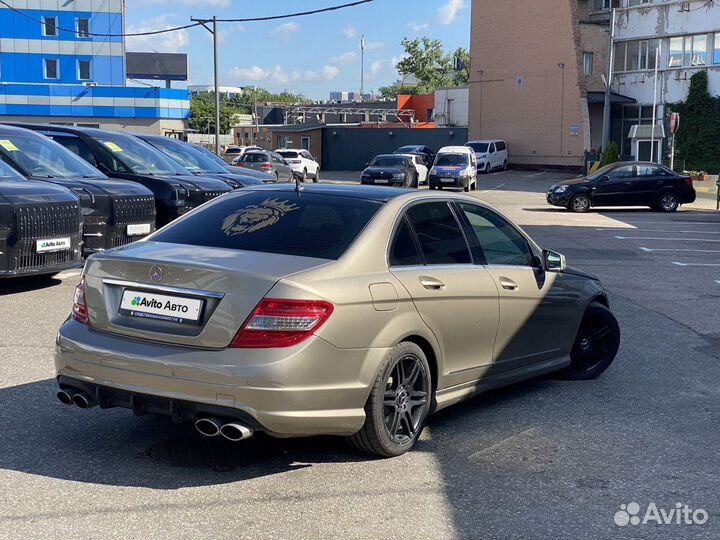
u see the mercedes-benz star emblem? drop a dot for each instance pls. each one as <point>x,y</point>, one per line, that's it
<point>156,273</point>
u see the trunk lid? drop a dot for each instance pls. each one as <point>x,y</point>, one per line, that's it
<point>184,295</point>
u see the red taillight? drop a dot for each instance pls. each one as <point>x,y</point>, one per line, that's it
<point>266,167</point>
<point>238,164</point>
<point>281,323</point>
<point>689,181</point>
<point>79,309</point>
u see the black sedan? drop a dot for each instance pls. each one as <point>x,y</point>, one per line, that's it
<point>424,152</point>
<point>390,170</point>
<point>633,183</point>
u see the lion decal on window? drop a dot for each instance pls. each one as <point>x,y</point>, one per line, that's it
<point>256,216</point>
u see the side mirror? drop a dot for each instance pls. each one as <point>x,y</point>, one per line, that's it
<point>604,178</point>
<point>367,164</point>
<point>553,261</point>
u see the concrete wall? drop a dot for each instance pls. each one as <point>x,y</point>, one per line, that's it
<point>452,107</point>
<point>348,149</point>
<point>517,91</point>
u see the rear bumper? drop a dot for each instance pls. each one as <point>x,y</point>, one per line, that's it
<point>311,389</point>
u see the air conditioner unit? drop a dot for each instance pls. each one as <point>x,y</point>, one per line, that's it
<point>90,84</point>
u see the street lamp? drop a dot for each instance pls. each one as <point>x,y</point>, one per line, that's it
<point>562,107</point>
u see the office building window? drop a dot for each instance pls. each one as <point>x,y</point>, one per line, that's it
<point>636,55</point>
<point>82,27</point>
<point>51,68</point>
<point>716,52</point>
<point>689,51</point>
<point>699,50</point>
<point>49,26</point>
<point>588,58</point>
<point>84,70</point>
<point>599,5</point>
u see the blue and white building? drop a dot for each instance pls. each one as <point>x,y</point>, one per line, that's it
<point>54,68</point>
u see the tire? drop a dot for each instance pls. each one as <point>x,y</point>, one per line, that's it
<point>505,165</point>
<point>596,344</point>
<point>303,178</point>
<point>316,178</point>
<point>580,204</point>
<point>277,177</point>
<point>466,189</point>
<point>416,182</point>
<point>393,419</point>
<point>487,168</point>
<point>668,202</point>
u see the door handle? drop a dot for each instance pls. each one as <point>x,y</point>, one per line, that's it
<point>432,283</point>
<point>508,284</point>
<point>660,182</point>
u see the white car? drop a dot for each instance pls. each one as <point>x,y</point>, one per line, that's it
<point>233,154</point>
<point>302,163</point>
<point>420,167</point>
<point>491,154</point>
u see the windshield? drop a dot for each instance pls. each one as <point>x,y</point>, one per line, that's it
<point>138,156</point>
<point>254,157</point>
<point>287,223</point>
<point>452,160</point>
<point>388,161</point>
<point>43,158</point>
<point>288,155</point>
<point>479,147</point>
<point>210,155</point>
<point>8,173</point>
<point>187,156</point>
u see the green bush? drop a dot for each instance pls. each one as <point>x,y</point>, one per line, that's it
<point>610,154</point>
<point>698,140</point>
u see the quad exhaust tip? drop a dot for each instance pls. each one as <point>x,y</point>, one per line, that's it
<point>233,431</point>
<point>64,397</point>
<point>83,401</point>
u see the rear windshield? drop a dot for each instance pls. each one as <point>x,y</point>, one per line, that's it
<point>478,146</point>
<point>254,157</point>
<point>233,151</point>
<point>451,160</point>
<point>288,155</point>
<point>407,149</point>
<point>305,224</point>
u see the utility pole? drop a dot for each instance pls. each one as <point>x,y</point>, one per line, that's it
<point>608,84</point>
<point>213,31</point>
<point>362,66</point>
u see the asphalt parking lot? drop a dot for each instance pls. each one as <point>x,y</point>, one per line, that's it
<point>541,459</point>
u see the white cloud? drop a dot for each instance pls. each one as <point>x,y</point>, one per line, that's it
<point>326,73</point>
<point>349,31</point>
<point>417,28</point>
<point>170,42</point>
<point>395,60</point>
<point>449,11</point>
<point>227,30</point>
<point>279,76</point>
<point>254,73</point>
<point>374,45</point>
<point>285,31</point>
<point>376,68</point>
<point>345,58</point>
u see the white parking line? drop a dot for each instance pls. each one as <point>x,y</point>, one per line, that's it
<point>695,264</point>
<point>671,232</point>
<point>533,175</point>
<point>666,239</point>
<point>491,189</point>
<point>648,250</point>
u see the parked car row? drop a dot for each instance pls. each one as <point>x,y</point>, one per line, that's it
<point>68,192</point>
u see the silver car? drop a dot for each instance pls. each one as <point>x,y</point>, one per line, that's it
<point>343,310</point>
<point>267,162</point>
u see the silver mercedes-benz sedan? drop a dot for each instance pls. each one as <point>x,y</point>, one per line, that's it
<point>344,310</point>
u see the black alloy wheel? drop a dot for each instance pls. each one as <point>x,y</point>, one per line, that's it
<point>668,202</point>
<point>580,203</point>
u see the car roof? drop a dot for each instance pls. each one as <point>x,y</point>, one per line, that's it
<point>485,141</point>
<point>454,150</point>
<point>7,129</point>
<point>373,193</point>
<point>291,150</point>
<point>91,132</point>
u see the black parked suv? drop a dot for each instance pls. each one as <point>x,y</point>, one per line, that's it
<point>629,183</point>
<point>115,212</point>
<point>390,170</point>
<point>197,163</point>
<point>40,226</point>
<point>126,157</point>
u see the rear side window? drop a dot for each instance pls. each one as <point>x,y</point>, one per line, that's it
<point>440,237</point>
<point>283,222</point>
<point>501,146</point>
<point>403,251</point>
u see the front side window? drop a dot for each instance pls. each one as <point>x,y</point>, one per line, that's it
<point>84,70</point>
<point>51,68</point>
<point>500,242</point>
<point>287,223</point>
<point>82,27</point>
<point>50,26</point>
<point>440,237</point>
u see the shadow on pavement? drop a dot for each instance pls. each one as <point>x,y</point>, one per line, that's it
<point>25,284</point>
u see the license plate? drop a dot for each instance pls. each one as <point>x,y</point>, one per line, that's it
<point>137,229</point>
<point>52,244</point>
<point>161,307</point>
<point>447,180</point>
<point>380,181</point>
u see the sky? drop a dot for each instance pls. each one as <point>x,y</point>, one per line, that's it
<point>310,55</point>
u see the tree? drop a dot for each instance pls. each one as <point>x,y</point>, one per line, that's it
<point>426,59</point>
<point>461,73</point>
<point>202,113</point>
<point>394,90</point>
<point>610,154</point>
<point>698,139</point>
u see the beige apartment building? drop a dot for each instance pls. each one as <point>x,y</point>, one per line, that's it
<point>537,77</point>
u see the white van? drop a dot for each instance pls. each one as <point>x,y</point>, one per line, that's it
<point>492,154</point>
<point>454,167</point>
